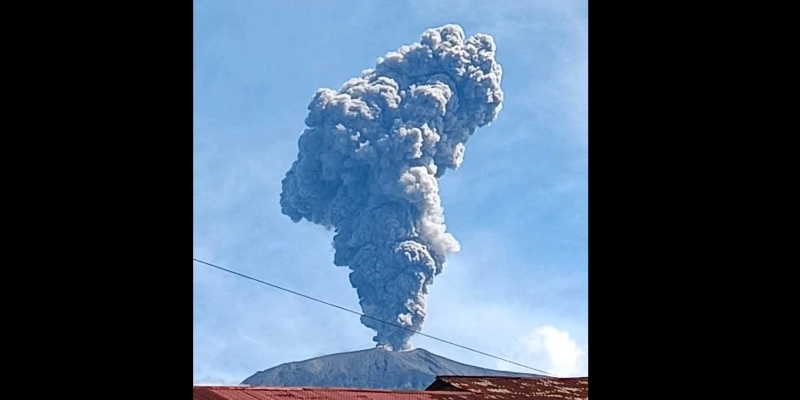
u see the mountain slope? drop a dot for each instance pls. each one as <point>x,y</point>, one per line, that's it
<point>374,369</point>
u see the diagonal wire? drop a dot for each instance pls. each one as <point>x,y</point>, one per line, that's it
<point>366,316</point>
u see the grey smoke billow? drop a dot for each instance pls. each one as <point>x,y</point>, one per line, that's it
<point>369,162</point>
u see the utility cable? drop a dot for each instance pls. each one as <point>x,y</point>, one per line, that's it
<point>366,316</point>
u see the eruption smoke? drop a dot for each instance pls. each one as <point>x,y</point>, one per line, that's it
<point>368,165</point>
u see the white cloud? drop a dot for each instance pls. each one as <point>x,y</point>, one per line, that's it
<point>552,350</point>
<point>212,381</point>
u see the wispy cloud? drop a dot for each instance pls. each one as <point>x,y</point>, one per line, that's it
<point>214,381</point>
<point>550,349</point>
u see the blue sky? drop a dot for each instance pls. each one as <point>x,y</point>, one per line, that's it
<point>518,205</point>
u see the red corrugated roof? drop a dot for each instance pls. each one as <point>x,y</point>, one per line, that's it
<point>444,388</point>
<point>284,393</point>
<point>516,388</point>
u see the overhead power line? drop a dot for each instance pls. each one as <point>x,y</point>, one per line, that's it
<point>365,316</point>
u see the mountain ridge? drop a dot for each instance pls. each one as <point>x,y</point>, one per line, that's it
<point>374,368</point>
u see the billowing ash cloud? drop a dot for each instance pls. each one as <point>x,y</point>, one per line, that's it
<point>368,165</point>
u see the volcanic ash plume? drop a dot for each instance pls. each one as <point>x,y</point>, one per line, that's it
<point>369,161</point>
